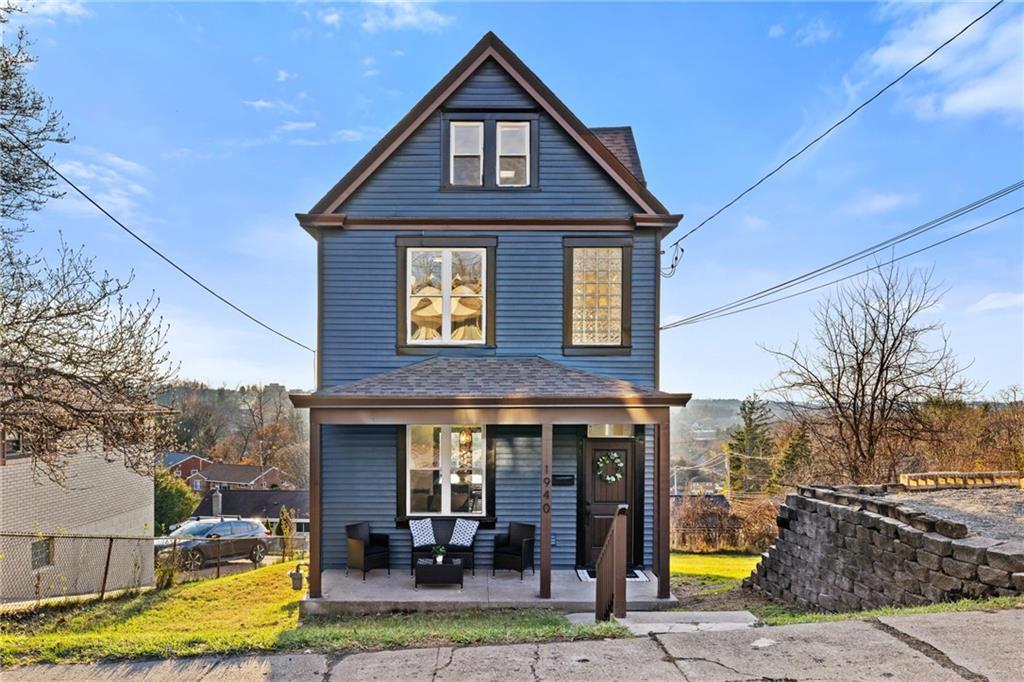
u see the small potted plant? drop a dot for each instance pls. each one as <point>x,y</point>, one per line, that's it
<point>438,551</point>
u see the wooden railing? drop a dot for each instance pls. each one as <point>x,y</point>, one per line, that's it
<point>611,569</point>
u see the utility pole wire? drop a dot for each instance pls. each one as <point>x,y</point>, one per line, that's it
<point>675,245</point>
<point>149,246</point>
<point>840,279</point>
<point>859,255</point>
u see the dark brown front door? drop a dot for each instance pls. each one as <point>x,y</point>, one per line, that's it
<point>608,482</point>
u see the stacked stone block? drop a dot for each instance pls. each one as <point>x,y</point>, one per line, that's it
<point>843,549</point>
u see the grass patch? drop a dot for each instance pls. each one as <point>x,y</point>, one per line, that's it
<point>256,611</point>
<point>719,565</point>
<point>777,614</point>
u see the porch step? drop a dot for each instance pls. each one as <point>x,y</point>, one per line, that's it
<point>660,622</point>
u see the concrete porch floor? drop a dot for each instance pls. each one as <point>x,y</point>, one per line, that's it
<point>380,592</point>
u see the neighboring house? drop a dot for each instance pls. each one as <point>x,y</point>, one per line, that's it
<point>97,498</point>
<point>234,477</point>
<point>488,306</point>
<point>184,464</point>
<point>264,505</point>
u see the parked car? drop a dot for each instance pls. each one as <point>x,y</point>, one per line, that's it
<point>198,542</point>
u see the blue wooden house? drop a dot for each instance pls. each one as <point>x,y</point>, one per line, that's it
<point>488,306</point>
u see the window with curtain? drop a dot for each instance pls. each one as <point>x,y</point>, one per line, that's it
<point>445,298</point>
<point>447,469</point>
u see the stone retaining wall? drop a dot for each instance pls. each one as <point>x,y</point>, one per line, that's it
<point>842,549</point>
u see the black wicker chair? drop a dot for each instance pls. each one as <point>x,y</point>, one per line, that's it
<point>514,550</point>
<point>366,550</point>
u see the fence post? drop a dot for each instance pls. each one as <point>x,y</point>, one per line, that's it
<point>218,557</point>
<point>106,568</point>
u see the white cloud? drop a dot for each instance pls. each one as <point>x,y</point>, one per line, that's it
<point>338,136</point>
<point>813,33</point>
<point>282,75</point>
<point>293,126</point>
<point>981,72</point>
<point>878,202</point>
<point>370,73</point>
<point>403,15</point>
<point>1000,300</point>
<point>776,31</point>
<point>113,181</point>
<point>331,17</point>
<point>50,10</point>
<point>184,153</point>
<point>264,104</point>
<point>398,53</point>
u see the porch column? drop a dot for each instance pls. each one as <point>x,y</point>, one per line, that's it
<point>545,510</point>
<point>314,503</point>
<point>661,500</point>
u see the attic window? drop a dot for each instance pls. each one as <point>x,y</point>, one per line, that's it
<point>467,153</point>
<point>513,153</point>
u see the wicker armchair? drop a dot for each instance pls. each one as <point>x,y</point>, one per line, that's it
<point>366,550</point>
<point>514,550</point>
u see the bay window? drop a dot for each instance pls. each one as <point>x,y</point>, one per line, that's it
<point>447,469</point>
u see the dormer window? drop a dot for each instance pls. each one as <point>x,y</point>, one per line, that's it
<point>467,153</point>
<point>493,150</point>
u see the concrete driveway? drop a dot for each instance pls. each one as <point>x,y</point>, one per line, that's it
<point>979,646</point>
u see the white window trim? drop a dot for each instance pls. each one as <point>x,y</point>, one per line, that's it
<point>497,152</point>
<point>446,482</point>
<point>452,154</point>
<point>446,297</point>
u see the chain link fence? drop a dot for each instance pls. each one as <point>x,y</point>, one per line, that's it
<point>37,567</point>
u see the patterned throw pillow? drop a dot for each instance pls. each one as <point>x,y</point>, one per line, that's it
<point>464,532</point>
<point>422,532</point>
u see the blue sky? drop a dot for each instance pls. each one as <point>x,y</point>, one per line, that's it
<point>207,126</point>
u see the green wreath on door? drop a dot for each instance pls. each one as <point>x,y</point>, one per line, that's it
<point>610,468</point>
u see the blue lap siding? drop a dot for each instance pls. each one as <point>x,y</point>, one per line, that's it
<point>359,484</point>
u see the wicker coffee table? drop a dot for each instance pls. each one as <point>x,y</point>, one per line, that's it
<point>448,572</point>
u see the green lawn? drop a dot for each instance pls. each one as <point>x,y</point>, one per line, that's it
<point>251,612</point>
<point>728,565</point>
<point>778,614</point>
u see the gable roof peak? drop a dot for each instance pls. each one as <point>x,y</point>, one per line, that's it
<point>490,46</point>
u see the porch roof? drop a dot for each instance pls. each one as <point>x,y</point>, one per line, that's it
<point>488,381</point>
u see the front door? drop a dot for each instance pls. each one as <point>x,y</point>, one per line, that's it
<point>608,482</point>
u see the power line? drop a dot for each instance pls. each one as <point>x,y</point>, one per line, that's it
<point>840,279</point>
<point>677,253</point>
<point>863,253</point>
<point>149,246</point>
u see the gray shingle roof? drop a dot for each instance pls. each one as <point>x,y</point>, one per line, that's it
<point>232,473</point>
<point>620,142</point>
<point>257,503</point>
<point>490,379</point>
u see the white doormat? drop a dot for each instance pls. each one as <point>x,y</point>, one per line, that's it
<point>589,575</point>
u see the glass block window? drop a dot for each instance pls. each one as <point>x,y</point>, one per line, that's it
<point>597,296</point>
<point>447,469</point>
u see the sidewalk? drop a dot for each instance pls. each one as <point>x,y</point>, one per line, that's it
<point>951,646</point>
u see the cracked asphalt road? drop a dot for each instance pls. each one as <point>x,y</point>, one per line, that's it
<point>978,646</point>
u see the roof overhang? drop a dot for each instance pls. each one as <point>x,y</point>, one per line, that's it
<point>319,400</point>
<point>490,47</point>
<point>314,222</point>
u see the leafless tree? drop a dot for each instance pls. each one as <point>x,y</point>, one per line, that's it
<point>861,387</point>
<point>79,365</point>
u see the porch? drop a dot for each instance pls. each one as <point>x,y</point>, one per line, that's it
<point>533,414</point>
<point>380,592</point>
